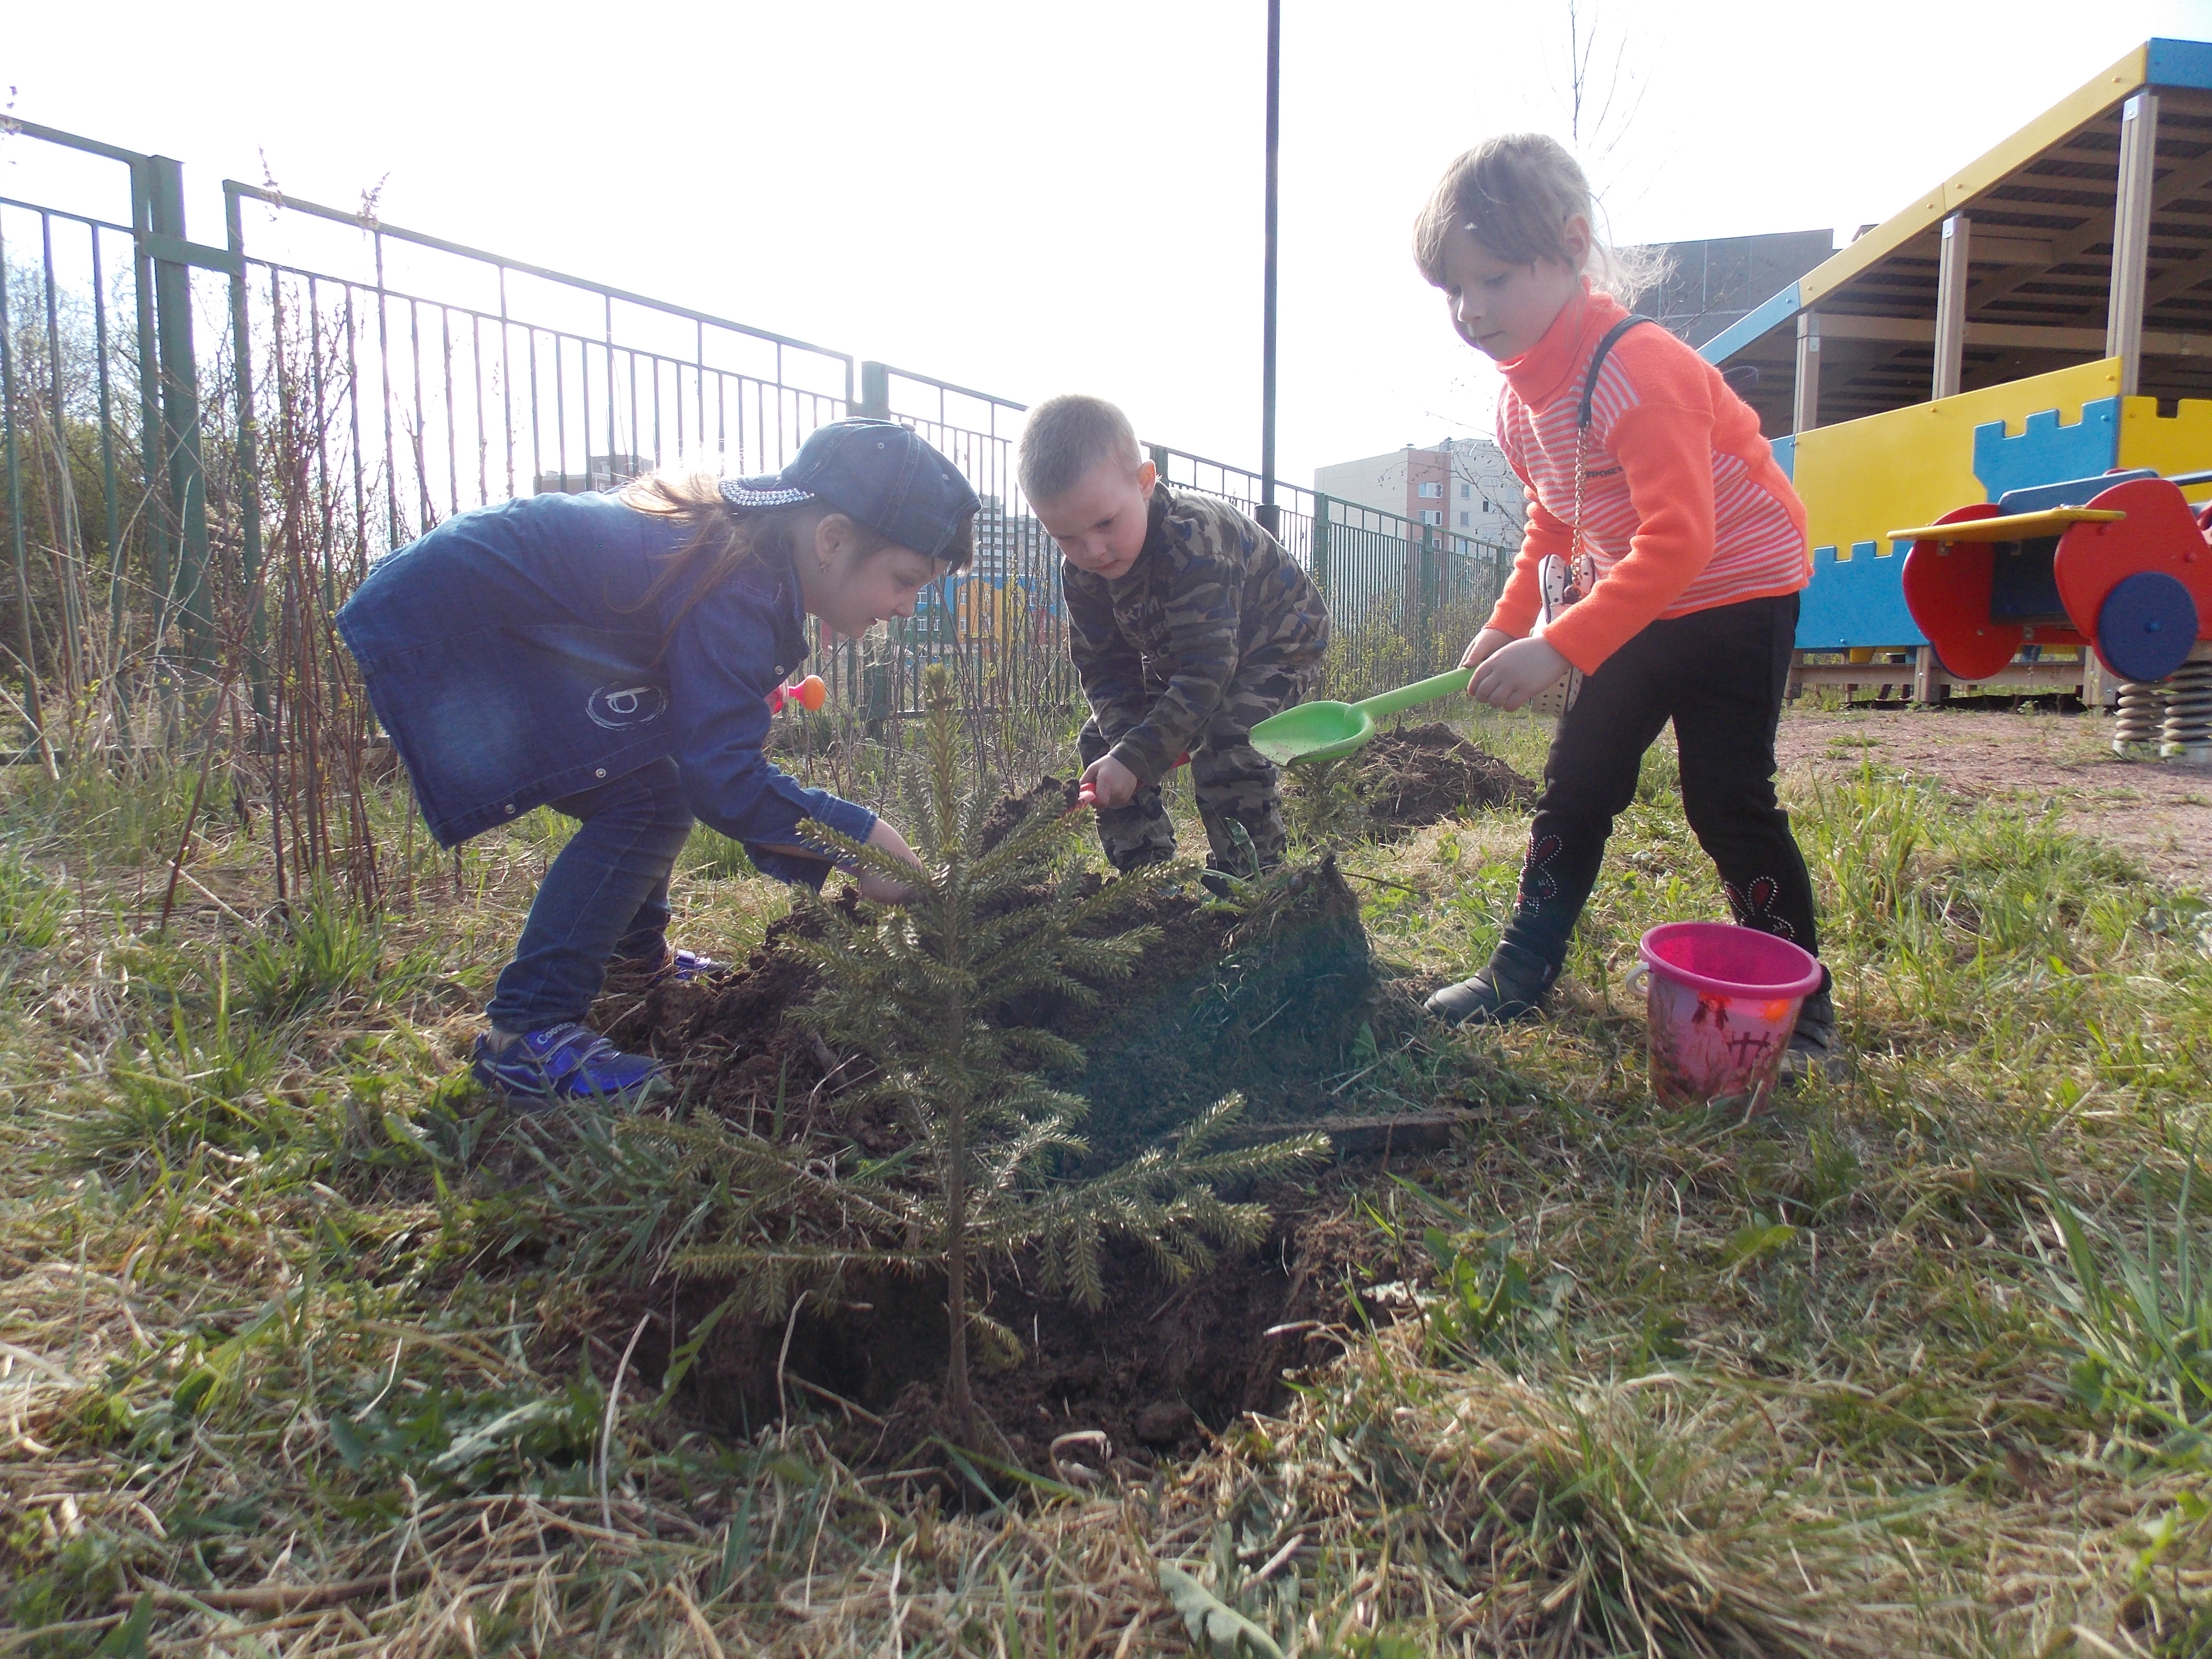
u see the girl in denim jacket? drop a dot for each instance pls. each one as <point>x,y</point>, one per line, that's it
<point>612,657</point>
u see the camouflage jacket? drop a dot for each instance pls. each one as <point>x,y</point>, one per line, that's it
<point>1210,594</point>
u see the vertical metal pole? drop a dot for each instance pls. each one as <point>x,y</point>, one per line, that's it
<point>1321,544</point>
<point>249,456</point>
<point>1951,308</point>
<point>15,540</point>
<point>180,409</point>
<point>1267,274</point>
<point>875,391</point>
<point>107,465</point>
<point>2123,315</point>
<point>160,573</point>
<point>1806,412</point>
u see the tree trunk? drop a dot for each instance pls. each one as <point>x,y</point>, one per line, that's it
<point>958,1401</point>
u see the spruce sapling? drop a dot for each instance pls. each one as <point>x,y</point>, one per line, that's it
<point>922,992</point>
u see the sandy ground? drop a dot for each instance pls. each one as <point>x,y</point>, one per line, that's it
<point>2158,812</point>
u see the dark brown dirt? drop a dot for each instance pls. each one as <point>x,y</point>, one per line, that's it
<point>1154,1369</point>
<point>1423,775</point>
<point>1266,1001</point>
<point>2159,813</point>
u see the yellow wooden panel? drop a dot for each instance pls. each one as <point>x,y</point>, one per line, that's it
<point>2179,442</point>
<point>2085,103</point>
<point>1911,467</point>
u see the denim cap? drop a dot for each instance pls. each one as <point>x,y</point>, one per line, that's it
<point>876,473</point>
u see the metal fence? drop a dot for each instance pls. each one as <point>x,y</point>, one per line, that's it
<point>368,382</point>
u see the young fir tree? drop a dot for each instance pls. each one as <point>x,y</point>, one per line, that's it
<point>919,992</point>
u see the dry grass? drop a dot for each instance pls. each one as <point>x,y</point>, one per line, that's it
<point>302,1350</point>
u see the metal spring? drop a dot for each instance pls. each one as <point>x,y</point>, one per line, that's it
<point>2137,721</point>
<point>2188,731</point>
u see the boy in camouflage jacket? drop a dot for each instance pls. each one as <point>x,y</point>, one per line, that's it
<point>1188,625</point>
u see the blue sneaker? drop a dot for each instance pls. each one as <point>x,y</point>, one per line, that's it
<point>562,1062</point>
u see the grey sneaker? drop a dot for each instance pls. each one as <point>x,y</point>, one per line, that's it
<point>1812,1050</point>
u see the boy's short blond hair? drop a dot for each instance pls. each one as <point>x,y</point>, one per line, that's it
<point>1065,437</point>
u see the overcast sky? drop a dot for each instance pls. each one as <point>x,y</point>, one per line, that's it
<point>1038,197</point>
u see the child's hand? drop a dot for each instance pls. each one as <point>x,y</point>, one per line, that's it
<point>1481,648</point>
<point>1112,784</point>
<point>1512,674</point>
<point>881,889</point>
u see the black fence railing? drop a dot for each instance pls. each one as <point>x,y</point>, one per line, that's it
<point>366,382</point>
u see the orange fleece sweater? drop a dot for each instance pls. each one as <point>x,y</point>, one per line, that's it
<point>1684,506</point>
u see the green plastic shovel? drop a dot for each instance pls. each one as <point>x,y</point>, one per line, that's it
<point>1324,731</point>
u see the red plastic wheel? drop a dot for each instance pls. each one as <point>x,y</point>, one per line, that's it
<point>1946,588</point>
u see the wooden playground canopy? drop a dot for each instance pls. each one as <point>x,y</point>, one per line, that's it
<point>2086,234</point>
<point>2044,313</point>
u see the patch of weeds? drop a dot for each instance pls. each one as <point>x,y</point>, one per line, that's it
<point>713,856</point>
<point>514,1438</point>
<point>327,949</point>
<point>184,1087</point>
<point>31,910</point>
<point>2139,1327</point>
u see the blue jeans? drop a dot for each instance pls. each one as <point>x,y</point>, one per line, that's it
<point>606,896</point>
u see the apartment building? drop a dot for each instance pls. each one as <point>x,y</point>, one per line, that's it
<point>1461,485</point>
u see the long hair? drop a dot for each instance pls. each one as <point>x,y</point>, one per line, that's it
<point>1514,194</point>
<point>723,539</point>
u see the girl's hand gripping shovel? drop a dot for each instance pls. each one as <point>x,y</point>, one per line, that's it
<point>1325,731</point>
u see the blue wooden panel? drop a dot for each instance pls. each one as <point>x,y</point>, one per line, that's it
<point>1859,600</point>
<point>2179,63</point>
<point>2046,452</point>
<point>1730,340</point>
<point>2071,492</point>
<point>1785,454</point>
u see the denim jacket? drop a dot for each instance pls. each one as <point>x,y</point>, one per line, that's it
<point>508,655</point>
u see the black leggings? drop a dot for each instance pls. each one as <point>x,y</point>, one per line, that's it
<point>1720,676</point>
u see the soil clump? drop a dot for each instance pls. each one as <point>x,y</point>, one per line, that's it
<point>1264,995</point>
<point>1147,1375</point>
<point>1422,775</point>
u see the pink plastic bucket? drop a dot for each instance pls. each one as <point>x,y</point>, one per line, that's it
<point>1722,1001</point>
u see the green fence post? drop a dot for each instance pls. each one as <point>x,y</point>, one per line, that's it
<point>875,391</point>
<point>31,709</point>
<point>249,459</point>
<point>180,407</point>
<point>1321,544</point>
<point>1424,598</point>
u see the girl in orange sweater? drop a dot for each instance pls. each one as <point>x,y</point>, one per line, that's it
<point>1670,545</point>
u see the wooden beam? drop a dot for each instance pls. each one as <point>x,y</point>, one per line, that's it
<point>2018,337</point>
<point>2131,216</point>
<point>1951,306</point>
<point>2193,272</point>
<point>2186,179</point>
<point>1805,411</point>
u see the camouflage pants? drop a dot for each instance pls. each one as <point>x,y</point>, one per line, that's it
<point>1236,784</point>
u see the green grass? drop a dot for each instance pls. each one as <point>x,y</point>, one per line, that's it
<point>1920,1361</point>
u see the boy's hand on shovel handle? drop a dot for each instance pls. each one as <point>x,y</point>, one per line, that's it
<point>1107,783</point>
<point>1088,793</point>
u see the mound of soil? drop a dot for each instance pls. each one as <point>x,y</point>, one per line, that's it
<point>1423,775</point>
<point>1264,999</point>
<point>1153,1369</point>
